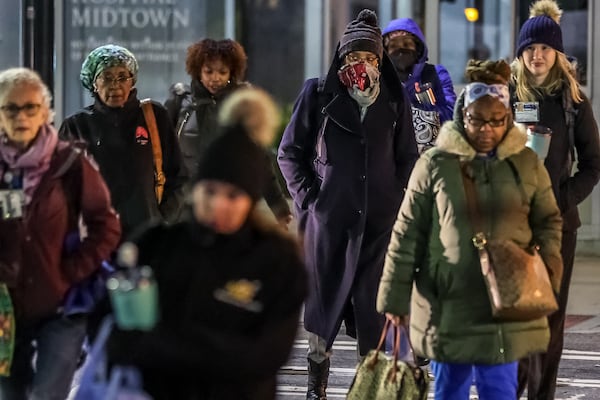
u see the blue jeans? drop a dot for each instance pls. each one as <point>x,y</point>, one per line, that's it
<point>57,348</point>
<point>493,382</point>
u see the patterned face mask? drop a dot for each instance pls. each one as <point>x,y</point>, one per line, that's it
<point>359,75</point>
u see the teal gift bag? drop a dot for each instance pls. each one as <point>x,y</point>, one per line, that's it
<point>134,297</point>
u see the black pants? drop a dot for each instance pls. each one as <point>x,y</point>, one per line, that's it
<point>538,372</point>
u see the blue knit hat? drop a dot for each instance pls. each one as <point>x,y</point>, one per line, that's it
<point>542,30</point>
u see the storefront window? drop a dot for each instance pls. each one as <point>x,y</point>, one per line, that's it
<point>158,33</point>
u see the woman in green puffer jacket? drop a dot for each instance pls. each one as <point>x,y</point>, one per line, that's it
<point>432,269</point>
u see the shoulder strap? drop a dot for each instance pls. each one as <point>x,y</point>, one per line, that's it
<point>570,113</point>
<point>321,119</point>
<point>472,201</point>
<point>159,176</point>
<point>72,183</point>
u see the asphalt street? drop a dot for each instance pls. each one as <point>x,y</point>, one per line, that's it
<point>579,370</point>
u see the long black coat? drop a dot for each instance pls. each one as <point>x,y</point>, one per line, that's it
<point>347,182</point>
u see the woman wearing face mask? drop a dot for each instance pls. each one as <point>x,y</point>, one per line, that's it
<point>545,85</point>
<point>429,86</point>
<point>230,284</point>
<point>346,155</point>
<point>217,69</point>
<point>432,269</point>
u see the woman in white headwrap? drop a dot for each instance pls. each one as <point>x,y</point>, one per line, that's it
<point>451,320</point>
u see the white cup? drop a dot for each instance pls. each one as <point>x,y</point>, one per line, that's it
<point>538,139</point>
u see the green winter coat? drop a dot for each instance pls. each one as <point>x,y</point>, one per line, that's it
<point>450,313</point>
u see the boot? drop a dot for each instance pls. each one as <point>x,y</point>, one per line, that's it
<point>318,373</point>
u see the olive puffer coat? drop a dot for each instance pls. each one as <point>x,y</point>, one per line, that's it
<point>450,313</point>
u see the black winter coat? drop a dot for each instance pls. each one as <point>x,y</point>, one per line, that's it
<point>193,111</point>
<point>119,141</point>
<point>229,310</point>
<point>347,180</point>
<point>570,189</point>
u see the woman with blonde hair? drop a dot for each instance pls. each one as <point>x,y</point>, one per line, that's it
<point>546,93</point>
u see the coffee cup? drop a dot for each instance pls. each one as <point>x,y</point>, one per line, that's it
<point>538,139</point>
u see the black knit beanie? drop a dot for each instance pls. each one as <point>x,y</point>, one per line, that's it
<point>362,34</point>
<point>236,159</point>
<point>541,29</point>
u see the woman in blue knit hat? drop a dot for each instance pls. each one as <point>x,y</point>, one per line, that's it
<point>546,93</point>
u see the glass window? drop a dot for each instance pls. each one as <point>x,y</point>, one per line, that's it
<point>486,37</point>
<point>10,34</point>
<point>157,33</point>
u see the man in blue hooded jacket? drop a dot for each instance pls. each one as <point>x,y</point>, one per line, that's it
<point>429,86</point>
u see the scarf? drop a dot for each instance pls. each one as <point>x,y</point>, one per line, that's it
<point>34,162</point>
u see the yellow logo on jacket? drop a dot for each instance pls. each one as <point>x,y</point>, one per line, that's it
<point>240,293</point>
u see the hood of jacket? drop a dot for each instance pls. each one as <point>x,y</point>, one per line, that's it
<point>451,139</point>
<point>409,25</point>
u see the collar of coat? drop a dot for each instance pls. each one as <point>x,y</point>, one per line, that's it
<point>451,139</point>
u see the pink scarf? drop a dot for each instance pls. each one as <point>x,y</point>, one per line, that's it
<point>34,162</point>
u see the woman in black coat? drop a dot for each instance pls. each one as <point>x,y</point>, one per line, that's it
<point>346,155</point>
<point>217,69</point>
<point>230,288</point>
<point>546,93</point>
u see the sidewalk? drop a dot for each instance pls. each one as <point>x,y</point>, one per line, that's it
<point>583,309</point>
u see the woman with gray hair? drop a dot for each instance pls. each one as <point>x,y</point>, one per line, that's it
<point>46,188</point>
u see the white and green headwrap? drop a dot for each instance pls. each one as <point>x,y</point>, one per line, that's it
<point>104,57</point>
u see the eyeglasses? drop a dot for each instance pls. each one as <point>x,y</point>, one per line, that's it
<point>373,60</point>
<point>119,80</point>
<point>12,110</point>
<point>478,123</point>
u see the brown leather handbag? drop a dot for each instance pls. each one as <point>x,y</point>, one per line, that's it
<point>517,279</point>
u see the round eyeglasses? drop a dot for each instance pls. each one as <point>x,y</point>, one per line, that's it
<point>352,58</point>
<point>12,110</point>
<point>119,80</point>
<point>478,123</point>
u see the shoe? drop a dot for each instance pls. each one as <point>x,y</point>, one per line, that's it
<point>318,374</point>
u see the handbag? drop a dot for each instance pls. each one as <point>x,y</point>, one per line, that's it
<point>159,176</point>
<point>379,377</point>
<point>427,126</point>
<point>124,382</point>
<point>7,330</point>
<point>517,280</point>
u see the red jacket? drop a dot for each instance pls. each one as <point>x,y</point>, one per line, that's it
<point>33,259</point>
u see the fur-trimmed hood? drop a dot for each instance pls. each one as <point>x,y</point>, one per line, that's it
<point>452,140</point>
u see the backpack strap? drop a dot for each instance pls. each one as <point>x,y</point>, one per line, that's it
<point>159,176</point>
<point>570,114</point>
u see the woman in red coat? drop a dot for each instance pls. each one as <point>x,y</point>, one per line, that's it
<point>46,189</point>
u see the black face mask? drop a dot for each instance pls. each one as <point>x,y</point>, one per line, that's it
<point>404,59</point>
